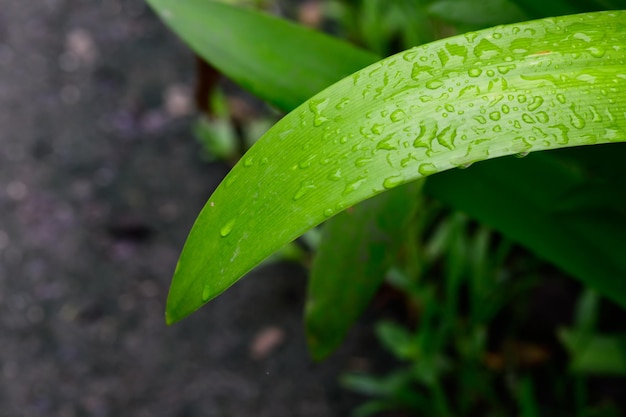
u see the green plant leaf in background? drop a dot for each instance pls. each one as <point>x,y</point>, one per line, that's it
<point>541,8</point>
<point>357,248</point>
<point>587,242</point>
<point>477,12</point>
<point>256,50</point>
<point>596,354</point>
<point>511,89</point>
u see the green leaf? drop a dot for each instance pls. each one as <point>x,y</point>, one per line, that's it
<point>357,248</point>
<point>477,12</point>
<point>507,90</point>
<point>258,51</point>
<point>542,8</point>
<point>587,244</point>
<point>596,354</point>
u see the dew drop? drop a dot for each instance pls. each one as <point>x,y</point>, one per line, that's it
<point>409,55</point>
<point>503,69</point>
<point>480,119</point>
<point>206,293</point>
<point>577,121</point>
<point>248,162</point>
<point>397,115</point>
<point>229,181</point>
<point>393,181</point>
<point>471,36</point>
<point>433,84</point>
<point>535,103</point>
<point>317,106</point>
<point>561,98</point>
<point>227,228</point>
<point>426,169</point>
<point>542,117</point>
<point>342,103</point>
<point>360,162</point>
<point>457,50</point>
<point>404,162</point>
<point>353,185</point>
<point>521,154</point>
<point>446,137</point>
<point>528,118</point>
<point>335,175</point>
<point>495,116</point>
<point>486,49</point>
<point>306,163</point>
<point>425,135</point>
<point>303,190</point>
<point>378,128</point>
<point>596,52</point>
<point>328,212</point>
<point>418,70</point>
<point>474,72</point>
<point>385,144</point>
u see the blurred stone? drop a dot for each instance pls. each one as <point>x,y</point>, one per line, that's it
<point>178,100</point>
<point>266,341</point>
<point>80,43</point>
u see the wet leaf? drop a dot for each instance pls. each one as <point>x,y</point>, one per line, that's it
<point>507,90</point>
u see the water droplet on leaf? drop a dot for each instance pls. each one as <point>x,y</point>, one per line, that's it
<point>393,181</point>
<point>305,187</point>
<point>535,103</point>
<point>426,169</point>
<point>227,228</point>
<point>397,115</point>
<point>433,84</point>
<point>474,72</point>
<point>317,106</point>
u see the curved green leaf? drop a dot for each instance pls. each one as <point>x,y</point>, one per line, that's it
<point>243,44</point>
<point>507,90</point>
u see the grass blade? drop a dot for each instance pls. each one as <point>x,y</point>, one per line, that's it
<point>507,90</point>
<point>357,248</point>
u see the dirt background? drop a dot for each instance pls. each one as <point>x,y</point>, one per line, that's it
<point>100,181</point>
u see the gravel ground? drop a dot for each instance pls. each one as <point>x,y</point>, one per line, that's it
<point>100,181</point>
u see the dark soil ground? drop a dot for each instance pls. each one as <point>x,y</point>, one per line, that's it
<point>100,181</point>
